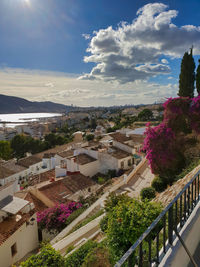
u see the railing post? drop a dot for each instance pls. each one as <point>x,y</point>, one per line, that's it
<point>170,225</point>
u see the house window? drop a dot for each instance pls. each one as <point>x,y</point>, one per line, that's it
<point>122,165</point>
<point>129,162</point>
<point>14,249</point>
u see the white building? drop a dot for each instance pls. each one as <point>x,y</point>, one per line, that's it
<point>18,226</point>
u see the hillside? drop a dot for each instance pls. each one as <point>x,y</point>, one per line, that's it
<point>11,104</point>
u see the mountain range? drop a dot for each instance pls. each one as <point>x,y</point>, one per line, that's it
<point>12,104</point>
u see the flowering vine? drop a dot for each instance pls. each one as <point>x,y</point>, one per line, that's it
<point>55,218</point>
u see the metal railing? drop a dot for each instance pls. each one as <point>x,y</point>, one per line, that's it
<point>153,244</point>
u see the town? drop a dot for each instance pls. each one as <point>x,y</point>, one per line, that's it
<point>99,133</point>
<point>94,161</point>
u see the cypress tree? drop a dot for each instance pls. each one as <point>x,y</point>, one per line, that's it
<point>187,75</point>
<point>198,79</point>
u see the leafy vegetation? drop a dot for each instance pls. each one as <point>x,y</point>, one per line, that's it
<point>54,219</point>
<point>145,115</point>
<point>21,144</point>
<point>187,75</point>
<point>47,257</point>
<point>198,78</point>
<point>5,150</point>
<point>159,184</point>
<point>148,193</point>
<point>127,221</point>
<point>77,258</point>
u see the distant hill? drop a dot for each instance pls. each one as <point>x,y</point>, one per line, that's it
<point>12,104</point>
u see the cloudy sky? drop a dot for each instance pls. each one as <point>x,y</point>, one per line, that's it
<point>88,52</point>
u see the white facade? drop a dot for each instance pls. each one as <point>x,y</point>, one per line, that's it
<point>24,240</point>
<point>60,172</point>
<point>124,147</point>
<point>90,169</point>
<point>25,174</point>
<point>108,162</point>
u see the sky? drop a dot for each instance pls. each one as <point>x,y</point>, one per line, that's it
<point>95,53</point>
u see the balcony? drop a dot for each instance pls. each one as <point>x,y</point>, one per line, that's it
<point>173,239</point>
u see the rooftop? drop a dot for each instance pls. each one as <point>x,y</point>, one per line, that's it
<point>28,161</point>
<point>119,137</point>
<point>42,177</point>
<point>59,190</point>
<point>118,153</point>
<point>15,205</point>
<point>13,166</point>
<point>39,205</point>
<point>66,153</point>
<point>48,155</point>
<point>4,172</point>
<point>83,159</point>
<point>55,150</point>
<point>11,224</point>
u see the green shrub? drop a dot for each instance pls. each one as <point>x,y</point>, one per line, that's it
<point>111,173</point>
<point>98,257</point>
<point>77,258</point>
<point>127,221</point>
<point>104,223</point>
<point>159,184</point>
<point>101,180</point>
<point>47,257</point>
<point>69,249</point>
<point>74,215</point>
<point>148,193</point>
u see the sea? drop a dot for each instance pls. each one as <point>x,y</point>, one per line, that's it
<point>22,118</point>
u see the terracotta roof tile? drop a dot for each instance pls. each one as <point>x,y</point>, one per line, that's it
<point>39,205</point>
<point>58,190</point>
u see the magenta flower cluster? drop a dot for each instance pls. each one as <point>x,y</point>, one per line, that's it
<point>55,218</point>
<point>176,114</point>
<point>161,144</point>
<point>159,147</point>
<point>195,114</point>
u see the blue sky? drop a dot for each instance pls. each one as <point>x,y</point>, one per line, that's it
<point>79,52</point>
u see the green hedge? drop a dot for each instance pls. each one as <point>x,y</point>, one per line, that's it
<point>148,193</point>
<point>158,184</point>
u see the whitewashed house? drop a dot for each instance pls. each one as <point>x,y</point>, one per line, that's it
<point>18,226</point>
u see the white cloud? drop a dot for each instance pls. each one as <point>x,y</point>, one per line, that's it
<point>86,36</point>
<point>49,84</point>
<point>132,51</point>
<point>68,90</point>
<point>164,61</point>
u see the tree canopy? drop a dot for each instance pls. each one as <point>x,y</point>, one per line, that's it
<point>5,150</point>
<point>198,78</point>
<point>127,220</point>
<point>47,257</point>
<point>187,75</point>
<point>145,115</point>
